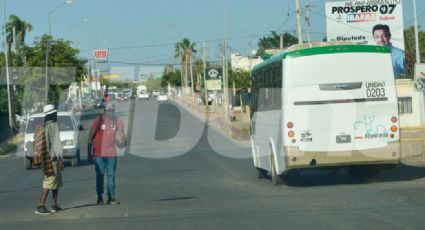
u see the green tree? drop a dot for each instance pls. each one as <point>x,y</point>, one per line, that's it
<point>185,50</point>
<point>273,42</point>
<point>241,78</point>
<point>61,54</point>
<point>153,83</point>
<point>172,77</point>
<point>21,27</point>
<point>410,49</point>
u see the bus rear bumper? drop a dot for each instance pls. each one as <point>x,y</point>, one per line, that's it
<point>303,159</point>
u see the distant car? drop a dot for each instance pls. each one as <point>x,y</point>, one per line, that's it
<point>155,93</point>
<point>68,132</point>
<point>126,94</point>
<point>162,97</point>
<point>99,103</point>
<point>143,95</point>
<point>85,102</point>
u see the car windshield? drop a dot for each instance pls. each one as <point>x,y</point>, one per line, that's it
<point>65,123</point>
<point>33,123</point>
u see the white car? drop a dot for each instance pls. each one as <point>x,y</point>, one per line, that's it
<point>68,132</point>
<point>143,96</point>
<point>162,97</point>
<point>155,93</point>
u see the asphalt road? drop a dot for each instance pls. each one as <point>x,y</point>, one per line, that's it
<point>178,173</point>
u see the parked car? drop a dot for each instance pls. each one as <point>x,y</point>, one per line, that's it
<point>68,132</point>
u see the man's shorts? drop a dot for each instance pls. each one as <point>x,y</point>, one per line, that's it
<point>54,181</point>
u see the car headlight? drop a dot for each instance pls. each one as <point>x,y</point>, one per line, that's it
<point>68,143</point>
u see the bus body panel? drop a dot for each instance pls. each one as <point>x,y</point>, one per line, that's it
<point>342,106</point>
<point>266,138</point>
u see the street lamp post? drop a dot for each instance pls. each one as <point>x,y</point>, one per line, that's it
<point>46,80</point>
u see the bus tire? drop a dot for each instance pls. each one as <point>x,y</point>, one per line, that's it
<point>27,163</point>
<point>276,178</point>
<point>261,173</point>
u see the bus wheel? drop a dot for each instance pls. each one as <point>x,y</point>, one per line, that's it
<point>276,179</point>
<point>261,173</point>
<point>27,163</point>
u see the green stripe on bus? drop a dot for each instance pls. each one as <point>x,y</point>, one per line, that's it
<point>323,50</point>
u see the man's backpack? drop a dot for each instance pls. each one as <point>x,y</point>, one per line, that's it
<point>41,151</point>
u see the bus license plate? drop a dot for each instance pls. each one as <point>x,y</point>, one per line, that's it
<point>341,139</point>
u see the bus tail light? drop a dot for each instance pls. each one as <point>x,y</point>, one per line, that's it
<point>291,134</point>
<point>394,128</point>
<point>394,119</point>
<point>290,125</point>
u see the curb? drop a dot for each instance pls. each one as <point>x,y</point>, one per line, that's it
<point>220,122</point>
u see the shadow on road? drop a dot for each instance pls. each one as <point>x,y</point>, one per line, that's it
<point>332,177</point>
<point>176,198</point>
<point>79,206</point>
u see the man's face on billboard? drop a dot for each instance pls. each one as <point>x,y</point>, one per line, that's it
<point>381,38</point>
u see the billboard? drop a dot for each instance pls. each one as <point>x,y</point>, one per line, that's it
<point>369,22</point>
<point>213,84</point>
<point>100,54</point>
<point>213,73</point>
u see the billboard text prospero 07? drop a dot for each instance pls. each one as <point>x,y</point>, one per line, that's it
<point>369,22</point>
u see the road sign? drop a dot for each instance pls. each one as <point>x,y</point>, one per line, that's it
<point>214,84</point>
<point>100,54</point>
<point>213,73</point>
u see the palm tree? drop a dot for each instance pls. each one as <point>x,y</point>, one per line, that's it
<point>184,50</point>
<point>20,27</point>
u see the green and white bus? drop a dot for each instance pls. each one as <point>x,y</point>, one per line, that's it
<point>324,105</point>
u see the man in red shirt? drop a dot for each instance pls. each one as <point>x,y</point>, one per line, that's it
<point>103,134</point>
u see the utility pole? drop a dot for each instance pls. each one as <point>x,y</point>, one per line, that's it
<point>204,62</point>
<point>308,20</point>
<point>418,57</point>
<point>250,53</point>
<point>225,70</point>
<point>299,32</point>
<point>281,42</point>
<point>9,105</point>
<point>191,73</point>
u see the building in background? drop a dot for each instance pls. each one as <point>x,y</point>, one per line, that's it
<point>240,62</point>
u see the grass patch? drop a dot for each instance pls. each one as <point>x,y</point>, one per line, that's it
<point>10,144</point>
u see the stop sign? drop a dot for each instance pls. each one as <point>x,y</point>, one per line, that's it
<point>100,54</point>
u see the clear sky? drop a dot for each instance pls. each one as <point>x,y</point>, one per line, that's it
<point>141,31</point>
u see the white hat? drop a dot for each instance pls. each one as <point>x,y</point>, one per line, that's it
<point>49,109</point>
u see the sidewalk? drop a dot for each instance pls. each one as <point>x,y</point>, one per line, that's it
<point>235,129</point>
